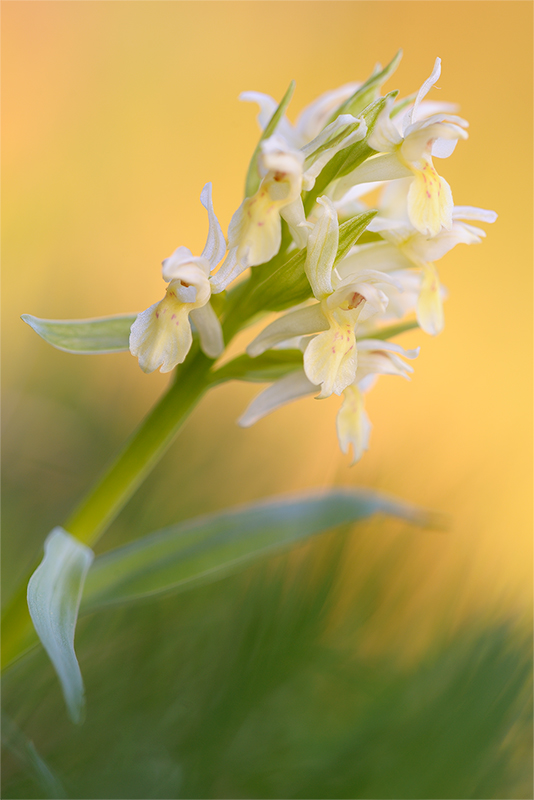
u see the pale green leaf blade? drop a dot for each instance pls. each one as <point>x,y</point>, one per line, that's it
<point>208,548</point>
<point>366,93</point>
<point>85,336</point>
<point>54,593</point>
<point>253,176</point>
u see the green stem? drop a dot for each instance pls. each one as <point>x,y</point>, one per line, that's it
<point>140,453</point>
<point>138,456</point>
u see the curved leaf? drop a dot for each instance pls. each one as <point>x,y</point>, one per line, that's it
<point>85,336</point>
<point>208,548</point>
<point>54,593</point>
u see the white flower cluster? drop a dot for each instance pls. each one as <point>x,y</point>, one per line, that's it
<point>355,295</point>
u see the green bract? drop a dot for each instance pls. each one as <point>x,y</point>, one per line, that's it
<point>85,336</point>
<point>54,593</point>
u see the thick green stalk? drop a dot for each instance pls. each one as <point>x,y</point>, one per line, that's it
<point>138,456</point>
<point>141,452</point>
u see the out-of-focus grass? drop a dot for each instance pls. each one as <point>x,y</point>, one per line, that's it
<point>270,685</point>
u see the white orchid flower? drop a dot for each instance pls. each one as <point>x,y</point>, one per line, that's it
<point>405,248</point>
<point>255,230</point>
<point>330,360</point>
<point>409,154</point>
<point>161,336</point>
<point>376,358</point>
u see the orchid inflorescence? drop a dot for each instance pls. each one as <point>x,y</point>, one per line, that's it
<point>348,275</point>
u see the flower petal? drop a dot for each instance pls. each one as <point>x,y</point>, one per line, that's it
<point>301,322</point>
<point>387,167</point>
<point>352,423</point>
<point>209,330</point>
<point>313,118</point>
<point>331,358</point>
<point>290,387</point>
<point>420,141</point>
<point>161,336</point>
<point>381,256</point>
<point>430,305</point>
<point>471,212</point>
<point>295,217</point>
<point>322,249</point>
<point>385,137</point>
<point>429,201</point>
<point>183,257</point>
<point>268,106</point>
<point>425,88</point>
<point>215,246</point>
<point>435,248</point>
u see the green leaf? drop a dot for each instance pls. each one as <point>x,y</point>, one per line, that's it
<point>84,336</point>
<point>351,230</point>
<point>355,155</point>
<point>366,93</point>
<point>268,367</point>
<point>208,548</point>
<point>54,593</point>
<point>253,176</point>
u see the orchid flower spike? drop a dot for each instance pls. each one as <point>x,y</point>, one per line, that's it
<point>161,336</point>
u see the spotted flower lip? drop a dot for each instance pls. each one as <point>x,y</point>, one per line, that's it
<point>161,336</point>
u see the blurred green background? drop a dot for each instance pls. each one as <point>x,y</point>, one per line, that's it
<point>384,663</point>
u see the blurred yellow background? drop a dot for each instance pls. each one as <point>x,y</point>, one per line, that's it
<point>115,115</point>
